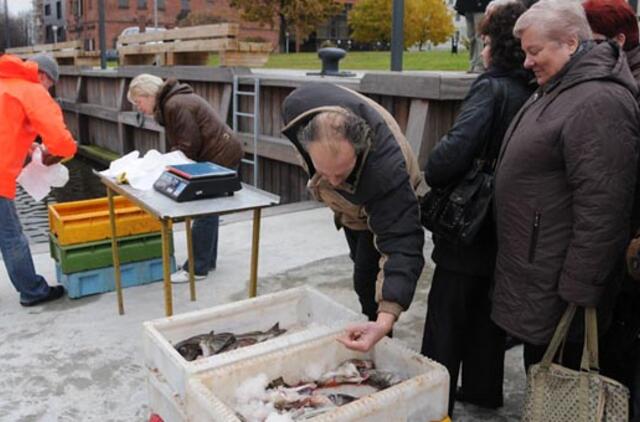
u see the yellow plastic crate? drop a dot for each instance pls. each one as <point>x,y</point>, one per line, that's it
<point>88,221</point>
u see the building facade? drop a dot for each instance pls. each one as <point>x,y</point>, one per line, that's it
<point>82,18</point>
<point>53,15</point>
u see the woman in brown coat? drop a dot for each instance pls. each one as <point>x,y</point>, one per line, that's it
<point>193,127</point>
<point>565,181</point>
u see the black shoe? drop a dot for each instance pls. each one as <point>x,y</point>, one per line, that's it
<point>55,292</point>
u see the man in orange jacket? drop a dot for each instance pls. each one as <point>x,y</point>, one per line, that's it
<point>26,110</point>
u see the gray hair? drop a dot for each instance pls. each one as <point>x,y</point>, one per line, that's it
<point>332,126</point>
<point>559,20</point>
<point>144,85</point>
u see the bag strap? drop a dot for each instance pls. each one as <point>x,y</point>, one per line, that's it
<point>558,337</point>
<point>590,358</point>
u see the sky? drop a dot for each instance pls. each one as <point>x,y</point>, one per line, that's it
<point>17,6</point>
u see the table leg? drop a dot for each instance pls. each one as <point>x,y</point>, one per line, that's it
<point>114,251</point>
<point>192,264</point>
<point>166,268</point>
<point>255,245</point>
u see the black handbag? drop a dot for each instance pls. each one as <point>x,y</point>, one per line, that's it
<point>457,211</point>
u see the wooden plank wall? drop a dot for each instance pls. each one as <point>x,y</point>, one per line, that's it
<point>97,112</point>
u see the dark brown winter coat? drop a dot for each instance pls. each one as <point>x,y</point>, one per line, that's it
<point>564,189</point>
<point>193,126</point>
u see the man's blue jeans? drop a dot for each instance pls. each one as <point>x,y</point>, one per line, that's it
<point>17,255</point>
<point>205,244</point>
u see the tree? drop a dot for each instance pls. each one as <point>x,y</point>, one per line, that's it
<point>428,20</point>
<point>19,29</point>
<point>424,20</point>
<point>301,16</point>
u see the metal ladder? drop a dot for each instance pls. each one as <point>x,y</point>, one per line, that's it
<point>255,116</point>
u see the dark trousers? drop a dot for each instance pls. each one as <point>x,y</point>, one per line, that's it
<point>571,355</point>
<point>205,244</point>
<point>459,331</point>
<point>366,264</point>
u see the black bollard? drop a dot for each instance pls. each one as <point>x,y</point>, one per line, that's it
<point>330,56</point>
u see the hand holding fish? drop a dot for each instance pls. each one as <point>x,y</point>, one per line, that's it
<point>363,336</point>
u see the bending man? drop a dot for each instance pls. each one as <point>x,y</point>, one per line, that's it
<point>362,167</point>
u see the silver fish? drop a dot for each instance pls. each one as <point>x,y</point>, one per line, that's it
<point>190,348</point>
<point>217,343</point>
<point>347,372</point>
<point>260,336</point>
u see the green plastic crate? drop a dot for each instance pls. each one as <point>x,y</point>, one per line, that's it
<point>92,255</point>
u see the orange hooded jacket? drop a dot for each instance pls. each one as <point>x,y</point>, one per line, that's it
<point>26,110</point>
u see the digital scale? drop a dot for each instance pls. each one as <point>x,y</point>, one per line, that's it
<point>186,182</point>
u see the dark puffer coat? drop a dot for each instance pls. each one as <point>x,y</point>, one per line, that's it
<point>494,98</point>
<point>380,195</point>
<point>471,6</point>
<point>193,126</point>
<point>564,189</point>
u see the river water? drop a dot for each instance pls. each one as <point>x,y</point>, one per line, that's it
<point>83,184</point>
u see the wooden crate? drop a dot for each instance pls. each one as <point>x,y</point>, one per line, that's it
<point>192,46</point>
<point>69,53</point>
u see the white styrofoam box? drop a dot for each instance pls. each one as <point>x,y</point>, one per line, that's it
<point>303,311</point>
<point>163,401</point>
<point>422,397</point>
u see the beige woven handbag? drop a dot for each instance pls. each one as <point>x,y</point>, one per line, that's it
<point>559,394</point>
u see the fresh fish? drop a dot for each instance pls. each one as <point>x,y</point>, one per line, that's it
<point>383,379</point>
<point>214,344</point>
<point>347,372</point>
<point>260,336</point>
<point>286,398</point>
<point>209,344</point>
<point>341,399</point>
<point>190,348</point>
<point>189,351</point>
<point>238,344</point>
<point>353,390</point>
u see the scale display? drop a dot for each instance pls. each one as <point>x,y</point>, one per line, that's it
<point>187,182</point>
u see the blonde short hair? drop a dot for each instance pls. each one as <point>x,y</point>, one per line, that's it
<point>559,20</point>
<point>144,85</point>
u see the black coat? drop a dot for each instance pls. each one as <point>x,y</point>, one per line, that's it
<point>472,6</point>
<point>494,98</point>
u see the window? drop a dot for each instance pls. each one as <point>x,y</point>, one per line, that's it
<point>58,10</point>
<point>160,4</point>
<point>79,9</point>
<point>184,5</point>
<point>47,9</point>
<point>142,4</point>
<point>123,4</point>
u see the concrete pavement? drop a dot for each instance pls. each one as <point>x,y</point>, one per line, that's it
<point>78,360</point>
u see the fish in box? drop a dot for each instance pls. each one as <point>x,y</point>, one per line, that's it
<point>303,312</point>
<point>421,397</point>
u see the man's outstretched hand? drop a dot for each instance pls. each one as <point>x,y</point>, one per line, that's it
<point>363,336</point>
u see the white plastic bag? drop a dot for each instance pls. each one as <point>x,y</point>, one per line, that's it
<point>143,172</point>
<point>37,179</point>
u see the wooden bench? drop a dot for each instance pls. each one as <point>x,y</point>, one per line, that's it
<point>66,53</point>
<point>192,46</point>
